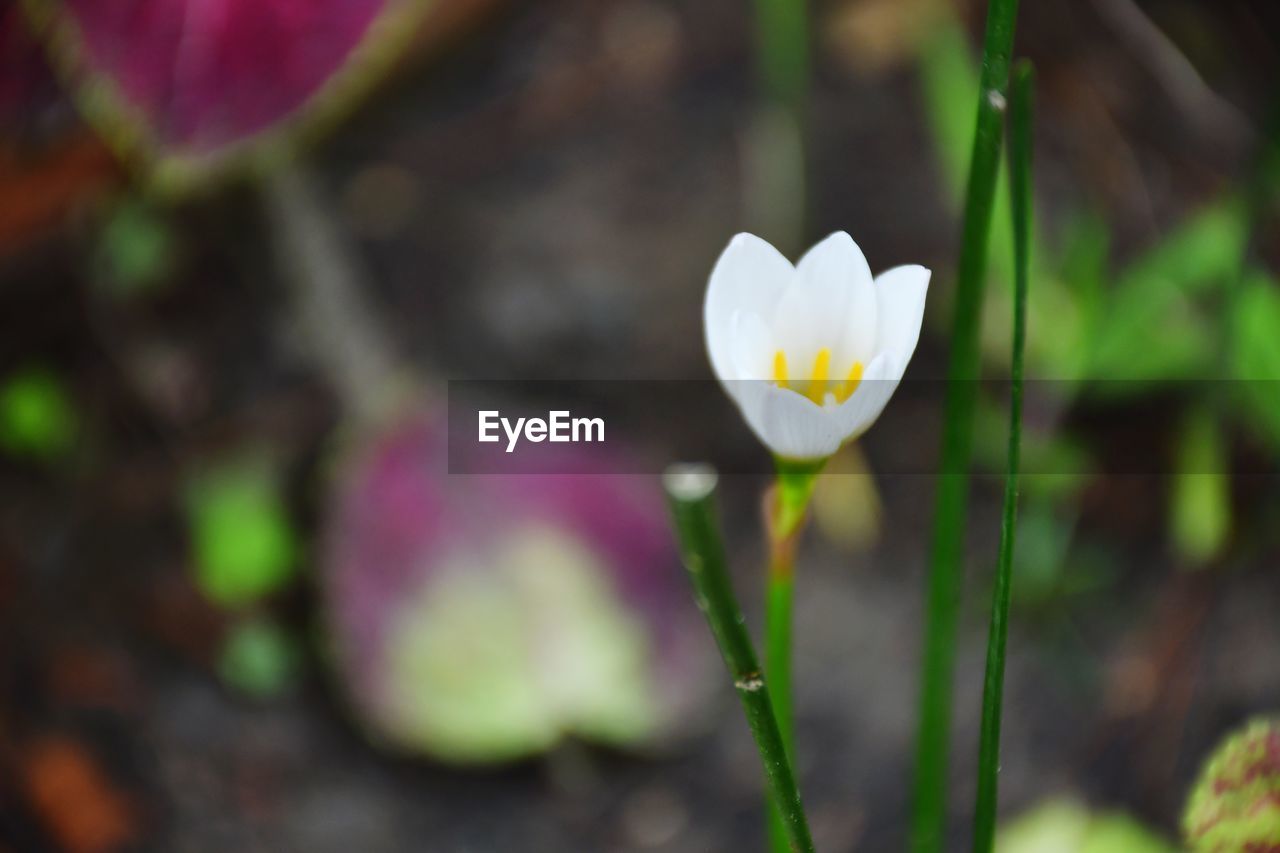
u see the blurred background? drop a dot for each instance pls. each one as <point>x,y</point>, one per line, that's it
<point>244,245</point>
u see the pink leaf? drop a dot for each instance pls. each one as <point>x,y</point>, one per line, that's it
<point>194,81</point>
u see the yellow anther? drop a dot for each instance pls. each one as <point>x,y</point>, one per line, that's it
<point>850,384</point>
<point>818,378</point>
<point>780,367</point>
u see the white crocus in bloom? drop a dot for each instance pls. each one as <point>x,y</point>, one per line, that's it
<point>811,353</point>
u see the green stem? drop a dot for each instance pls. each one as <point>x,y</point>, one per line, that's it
<point>689,491</point>
<point>932,743</point>
<point>785,509</point>
<point>782,31</point>
<point>777,663</point>
<point>777,163</point>
<point>984,824</point>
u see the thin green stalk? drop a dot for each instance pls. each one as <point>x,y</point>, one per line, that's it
<point>1020,109</point>
<point>689,491</point>
<point>932,743</point>
<point>782,32</point>
<point>786,506</point>
<point>777,664</point>
<point>777,164</point>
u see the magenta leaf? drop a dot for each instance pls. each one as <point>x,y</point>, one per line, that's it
<point>482,619</point>
<point>195,84</point>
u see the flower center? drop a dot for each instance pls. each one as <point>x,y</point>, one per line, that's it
<point>819,383</point>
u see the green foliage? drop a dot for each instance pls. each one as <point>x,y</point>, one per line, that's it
<point>1051,565</point>
<point>1067,826</point>
<point>1201,496</point>
<point>1196,258</point>
<point>1086,321</point>
<point>1255,354</point>
<point>1020,147</point>
<point>136,249</point>
<point>1158,292</point>
<point>949,81</point>
<point>245,547</point>
<point>1083,263</point>
<point>259,658</point>
<point>783,34</point>
<point>1056,466</point>
<point>37,416</point>
<point>777,141</point>
<point>1235,804</point>
<point>690,491</point>
<point>928,823</point>
<point>1116,334</point>
<point>949,77</point>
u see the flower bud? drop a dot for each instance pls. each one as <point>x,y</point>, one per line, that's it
<point>1235,805</point>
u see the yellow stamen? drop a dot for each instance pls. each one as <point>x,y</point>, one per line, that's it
<point>780,368</point>
<point>818,379</point>
<point>850,384</point>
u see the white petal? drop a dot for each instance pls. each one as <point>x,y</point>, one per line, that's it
<point>856,414</point>
<point>900,296</point>
<point>831,304</point>
<point>789,424</point>
<point>794,427</point>
<point>751,348</point>
<point>748,278</point>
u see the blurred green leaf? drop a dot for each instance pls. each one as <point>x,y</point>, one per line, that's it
<point>1055,826</point>
<point>245,547</point>
<point>1084,264</point>
<point>1255,354</point>
<point>1201,496</point>
<point>1202,254</point>
<point>1156,296</point>
<point>37,417</point>
<point>1077,325</point>
<point>259,658</point>
<point>949,80</point>
<point>1063,825</point>
<point>136,249</point>
<point>1055,466</point>
<point>1119,833</point>
<point>1053,563</point>
<point>1043,543</point>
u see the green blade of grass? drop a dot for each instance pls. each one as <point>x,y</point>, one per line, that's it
<point>776,161</point>
<point>932,743</point>
<point>779,593</point>
<point>689,490</point>
<point>787,506</point>
<point>782,32</point>
<point>984,822</point>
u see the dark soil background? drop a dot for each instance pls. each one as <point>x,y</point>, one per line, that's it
<point>573,169</point>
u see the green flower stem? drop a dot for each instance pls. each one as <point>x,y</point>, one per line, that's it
<point>777,663</point>
<point>1020,109</point>
<point>785,510</point>
<point>689,491</point>
<point>782,31</point>
<point>777,164</point>
<point>932,743</point>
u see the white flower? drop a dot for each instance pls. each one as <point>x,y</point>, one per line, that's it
<point>810,353</point>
